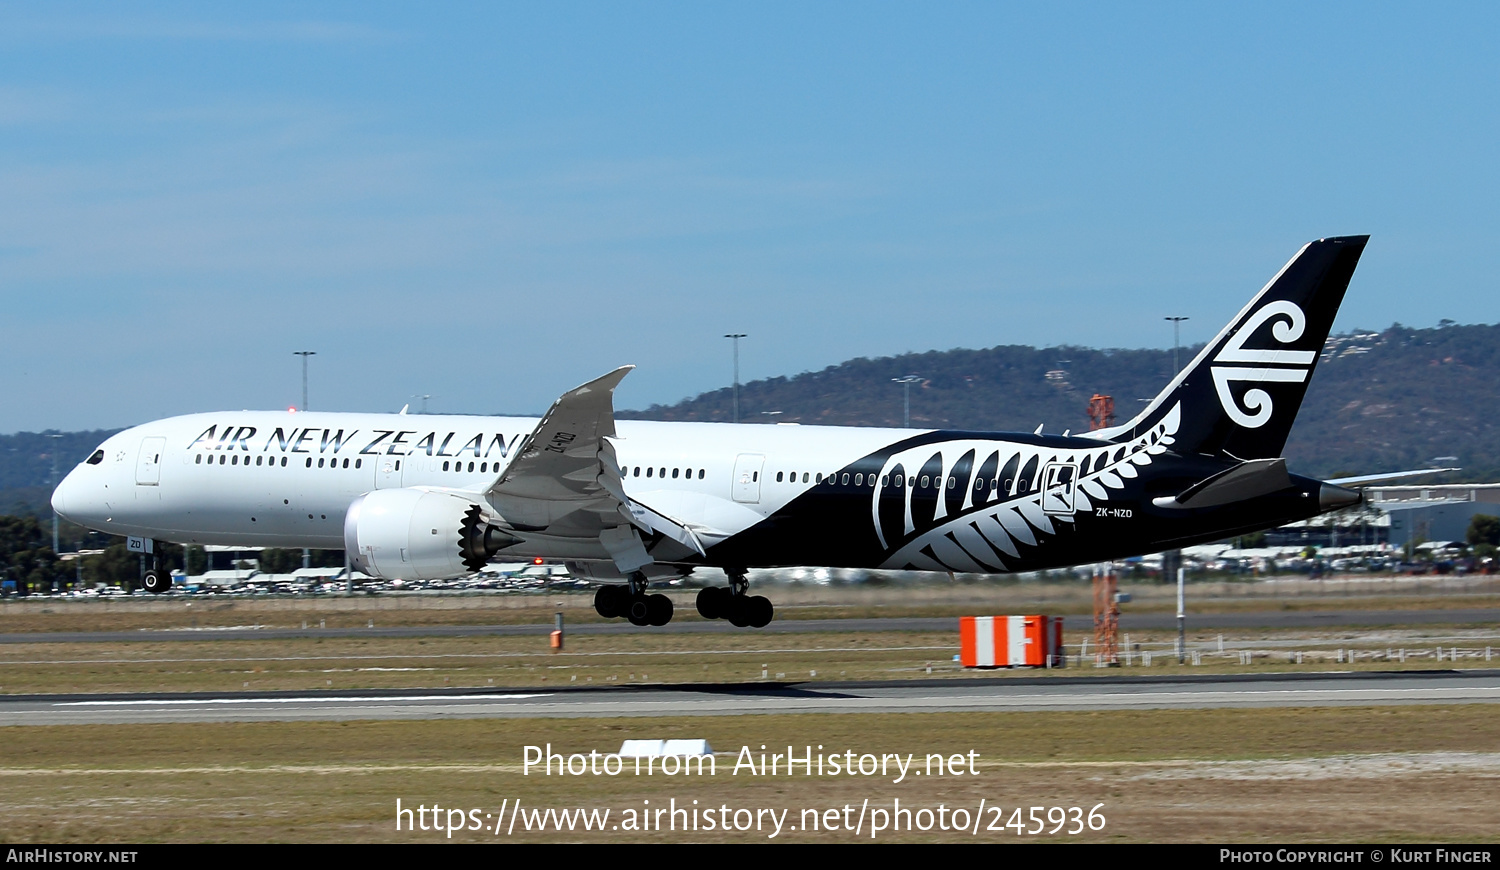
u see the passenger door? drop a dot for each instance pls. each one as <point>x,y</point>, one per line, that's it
<point>747,468</point>
<point>388,471</point>
<point>148,467</point>
<point>1059,484</point>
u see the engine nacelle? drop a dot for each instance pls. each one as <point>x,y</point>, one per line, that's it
<point>414,534</point>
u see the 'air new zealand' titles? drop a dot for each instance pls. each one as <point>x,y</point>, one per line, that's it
<point>436,497</point>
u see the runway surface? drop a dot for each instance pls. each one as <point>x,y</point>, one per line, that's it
<point>1272,619</point>
<point>970,695</point>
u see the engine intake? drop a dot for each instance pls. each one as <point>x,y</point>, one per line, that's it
<point>413,534</point>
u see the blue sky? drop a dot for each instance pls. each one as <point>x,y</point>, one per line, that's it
<point>491,203</point>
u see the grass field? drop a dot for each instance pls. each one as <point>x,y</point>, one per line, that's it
<point>1393,774</point>
<point>792,602</point>
<point>1383,774</point>
<point>343,663</point>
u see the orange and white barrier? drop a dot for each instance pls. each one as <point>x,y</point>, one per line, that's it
<point>1010,641</point>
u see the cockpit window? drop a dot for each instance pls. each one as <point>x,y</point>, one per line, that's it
<point>97,458</point>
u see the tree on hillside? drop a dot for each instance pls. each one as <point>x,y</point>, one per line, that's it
<point>26,556</point>
<point>1483,529</point>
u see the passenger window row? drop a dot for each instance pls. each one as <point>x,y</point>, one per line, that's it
<point>858,478</point>
<point>484,467</point>
<point>234,459</point>
<point>685,473</point>
<point>926,481</point>
<point>837,479</point>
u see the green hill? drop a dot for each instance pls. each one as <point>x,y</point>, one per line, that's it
<point>1383,401</point>
<point>27,463</point>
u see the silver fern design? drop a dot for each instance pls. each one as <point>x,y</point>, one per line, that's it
<point>969,505</point>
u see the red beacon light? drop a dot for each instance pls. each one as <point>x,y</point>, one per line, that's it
<point>537,561</point>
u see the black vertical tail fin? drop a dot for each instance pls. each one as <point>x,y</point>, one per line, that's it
<point>1240,394</point>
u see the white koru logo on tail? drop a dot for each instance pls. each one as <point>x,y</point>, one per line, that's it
<point>1291,365</point>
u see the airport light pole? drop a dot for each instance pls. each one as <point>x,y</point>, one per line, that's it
<point>54,486</point>
<point>906,383</point>
<point>306,553</point>
<point>304,354</point>
<point>736,336</point>
<point>1176,342</point>
<point>1177,554</point>
<point>424,397</point>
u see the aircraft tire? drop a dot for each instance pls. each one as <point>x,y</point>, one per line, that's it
<point>609,603</point>
<point>156,583</point>
<point>712,601</point>
<point>738,611</point>
<point>639,611</point>
<point>760,611</point>
<point>660,607</point>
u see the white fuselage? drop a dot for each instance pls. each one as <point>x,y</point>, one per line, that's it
<point>286,479</point>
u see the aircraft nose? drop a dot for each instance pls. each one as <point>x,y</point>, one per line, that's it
<point>69,503</point>
<point>59,501</point>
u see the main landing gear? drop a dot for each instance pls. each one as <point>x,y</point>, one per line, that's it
<point>714,602</point>
<point>731,603</point>
<point>633,603</point>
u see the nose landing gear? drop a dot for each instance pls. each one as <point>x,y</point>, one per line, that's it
<point>157,581</point>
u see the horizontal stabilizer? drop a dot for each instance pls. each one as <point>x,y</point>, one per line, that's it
<point>1389,475</point>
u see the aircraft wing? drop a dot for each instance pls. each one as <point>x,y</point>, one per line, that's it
<point>566,484</point>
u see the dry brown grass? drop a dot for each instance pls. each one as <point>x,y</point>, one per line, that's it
<point>793,603</point>
<point>240,664</point>
<point>342,663</point>
<point>351,663</point>
<point>1160,775</point>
